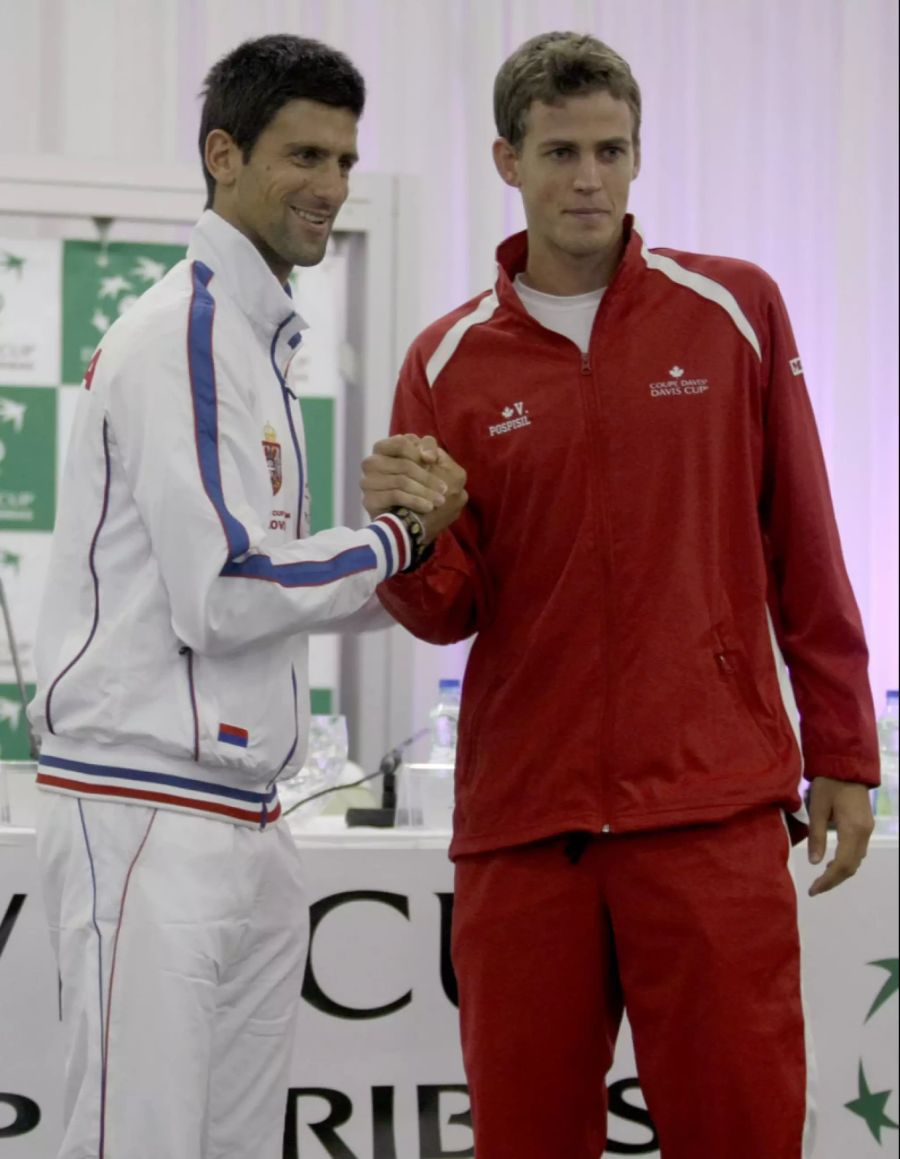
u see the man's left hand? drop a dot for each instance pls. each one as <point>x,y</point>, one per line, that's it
<point>850,807</point>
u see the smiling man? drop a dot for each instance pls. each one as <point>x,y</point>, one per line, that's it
<point>648,511</point>
<point>172,647</point>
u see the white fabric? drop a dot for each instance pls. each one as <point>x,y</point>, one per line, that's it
<point>572,316</point>
<point>448,344</point>
<point>179,556</point>
<point>180,943</point>
<point>706,288</point>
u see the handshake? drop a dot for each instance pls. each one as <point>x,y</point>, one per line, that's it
<point>413,472</point>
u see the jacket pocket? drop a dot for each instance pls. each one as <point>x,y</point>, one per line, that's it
<point>735,673</point>
<point>246,714</point>
<point>188,655</point>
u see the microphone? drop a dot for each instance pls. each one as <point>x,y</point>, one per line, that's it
<point>385,815</point>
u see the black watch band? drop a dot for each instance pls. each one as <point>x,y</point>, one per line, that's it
<point>413,524</point>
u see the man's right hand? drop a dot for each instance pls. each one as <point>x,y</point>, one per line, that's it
<point>399,473</point>
<point>413,472</point>
<point>455,497</point>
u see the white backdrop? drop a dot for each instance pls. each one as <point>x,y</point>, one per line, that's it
<point>770,133</point>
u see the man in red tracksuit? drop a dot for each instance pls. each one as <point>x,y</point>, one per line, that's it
<point>649,531</point>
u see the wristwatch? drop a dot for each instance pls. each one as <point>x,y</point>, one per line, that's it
<point>413,524</point>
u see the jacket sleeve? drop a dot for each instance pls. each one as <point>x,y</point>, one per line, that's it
<point>817,621</point>
<point>447,598</point>
<point>180,425</point>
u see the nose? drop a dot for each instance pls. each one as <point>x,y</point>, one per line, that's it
<point>331,186</point>
<point>589,177</point>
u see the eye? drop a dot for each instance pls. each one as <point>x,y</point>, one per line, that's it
<point>560,152</point>
<point>307,156</point>
<point>613,152</point>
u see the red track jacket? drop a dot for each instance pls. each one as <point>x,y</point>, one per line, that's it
<point>644,522</point>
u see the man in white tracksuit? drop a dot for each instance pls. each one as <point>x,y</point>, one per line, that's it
<point>172,656</point>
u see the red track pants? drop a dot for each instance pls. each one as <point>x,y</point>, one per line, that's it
<point>695,932</point>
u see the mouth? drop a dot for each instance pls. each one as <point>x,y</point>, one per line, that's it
<point>314,219</point>
<point>589,214</point>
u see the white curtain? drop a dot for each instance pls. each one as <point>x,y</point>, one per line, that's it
<point>770,133</point>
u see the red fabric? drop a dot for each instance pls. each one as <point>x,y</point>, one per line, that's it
<point>620,551</point>
<point>698,930</point>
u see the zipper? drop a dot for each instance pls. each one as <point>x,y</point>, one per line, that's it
<point>184,650</point>
<point>290,752</point>
<point>604,534</point>
<point>288,395</point>
<point>288,398</point>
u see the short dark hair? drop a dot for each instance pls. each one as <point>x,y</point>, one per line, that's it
<point>245,89</point>
<point>556,65</point>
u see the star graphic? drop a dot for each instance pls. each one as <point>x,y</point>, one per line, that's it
<point>100,321</point>
<point>12,263</point>
<point>9,713</point>
<point>148,269</point>
<point>12,412</point>
<point>113,286</point>
<point>891,985</point>
<point>869,1105</point>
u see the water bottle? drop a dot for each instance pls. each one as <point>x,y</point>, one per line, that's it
<point>884,798</point>
<point>444,718</point>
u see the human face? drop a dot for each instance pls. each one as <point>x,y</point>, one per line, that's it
<point>574,169</point>
<point>285,197</point>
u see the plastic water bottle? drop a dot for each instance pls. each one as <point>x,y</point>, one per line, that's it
<point>444,718</point>
<point>884,804</point>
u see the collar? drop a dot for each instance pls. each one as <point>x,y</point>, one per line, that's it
<point>512,258</point>
<point>241,273</point>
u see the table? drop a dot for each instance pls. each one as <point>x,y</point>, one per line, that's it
<point>377,1072</point>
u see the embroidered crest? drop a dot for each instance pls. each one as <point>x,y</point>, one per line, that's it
<point>272,449</point>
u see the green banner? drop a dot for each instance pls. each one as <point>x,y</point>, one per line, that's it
<point>13,725</point>
<point>321,701</point>
<point>27,458</point>
<point>100,283</point>
<point>318,426</point>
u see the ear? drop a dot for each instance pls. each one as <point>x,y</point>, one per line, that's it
<point>637,163</point>
<point>223,158</point>
<point>506,161</point>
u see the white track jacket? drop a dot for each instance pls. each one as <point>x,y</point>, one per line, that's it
<point>171,652</point>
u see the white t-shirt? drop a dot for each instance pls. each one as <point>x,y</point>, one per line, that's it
<point>571,316</point>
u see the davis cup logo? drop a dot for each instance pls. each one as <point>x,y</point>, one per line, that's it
<point>272,450</point>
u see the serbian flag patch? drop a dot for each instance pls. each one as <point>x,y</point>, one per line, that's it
<point>231,734</point>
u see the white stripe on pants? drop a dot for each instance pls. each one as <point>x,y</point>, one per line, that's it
<point>188,937</point>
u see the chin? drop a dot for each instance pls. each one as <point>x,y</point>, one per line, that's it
<point>309,255</point>
<point>589,247</point>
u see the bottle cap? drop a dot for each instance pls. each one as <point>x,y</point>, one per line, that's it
<point>449,685</point>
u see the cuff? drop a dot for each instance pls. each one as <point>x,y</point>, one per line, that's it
<point>395,542</point>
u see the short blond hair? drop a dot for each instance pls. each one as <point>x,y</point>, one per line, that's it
<point>556,65</point>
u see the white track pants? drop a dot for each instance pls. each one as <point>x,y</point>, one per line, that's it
<point>181,942</point>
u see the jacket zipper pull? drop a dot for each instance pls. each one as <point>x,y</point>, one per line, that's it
<point>585,362</point>
<point>723,662</point>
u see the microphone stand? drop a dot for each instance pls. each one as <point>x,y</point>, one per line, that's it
<point>385,815</point>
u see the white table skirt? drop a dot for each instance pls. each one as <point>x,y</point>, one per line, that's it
<point>378,1037</point>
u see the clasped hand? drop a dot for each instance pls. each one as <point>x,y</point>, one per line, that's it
<point>413,472</point>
